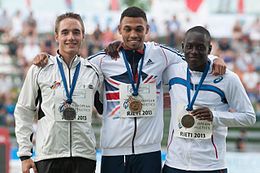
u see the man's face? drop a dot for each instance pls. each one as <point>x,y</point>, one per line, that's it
<point>196,49</point>
<point>133,31</point>
<point>69,36</point>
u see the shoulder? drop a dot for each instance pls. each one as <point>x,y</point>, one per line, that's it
<point>172,50</point>
<point>34,72</point>
<point>155,45</point>
<point>52,60</point>
<point>230,75</point>
<point>88,64</point>
<point>229,78</point>
<point>177,68</point>
<point>34,69</point>
<point>163,49</point>
<point>98,55</point>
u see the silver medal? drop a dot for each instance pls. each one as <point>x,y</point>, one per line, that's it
<point>69,113</point>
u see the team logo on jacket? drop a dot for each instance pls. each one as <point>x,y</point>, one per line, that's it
<point>55,85</point>
<point>217,80</point>
<point>149,62</point>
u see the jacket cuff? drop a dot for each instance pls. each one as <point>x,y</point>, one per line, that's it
<point>22,158</point>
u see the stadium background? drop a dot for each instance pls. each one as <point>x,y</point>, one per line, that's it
<point>26,28</point>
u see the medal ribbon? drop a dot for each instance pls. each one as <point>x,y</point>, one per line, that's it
<point>190,104</point>
<point>74,81</point>
<point>130,74</point>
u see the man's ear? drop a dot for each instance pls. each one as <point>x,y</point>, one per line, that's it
<point>210,48</point>
<point>119,29</point>
<point>56,37</point>
<point>147,29</point>
<point>182,46</point>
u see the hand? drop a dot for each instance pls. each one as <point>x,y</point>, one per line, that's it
<point>219,67</point>
<point>113,48</point>
<point>41,60</point>
<point>203,113</point>
<point>27,165</point>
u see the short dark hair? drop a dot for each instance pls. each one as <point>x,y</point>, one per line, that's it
<point>201,30</point>
<point>68,15</point>
<point>133,12</point>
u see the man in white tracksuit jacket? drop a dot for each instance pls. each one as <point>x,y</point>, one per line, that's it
<point>65,140</point>
<point>200,109</point>
<point>130,141</point>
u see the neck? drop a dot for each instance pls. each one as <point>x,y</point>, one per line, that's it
<point>199,69</point>
<point>67,58</point>
<point>141,48</point>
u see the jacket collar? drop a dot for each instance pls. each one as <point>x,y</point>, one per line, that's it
<point>73,63</point>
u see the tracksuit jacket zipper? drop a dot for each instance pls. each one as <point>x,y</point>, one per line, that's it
<point>133,65</point>
<point>70,140</point>
<point>135,129</point>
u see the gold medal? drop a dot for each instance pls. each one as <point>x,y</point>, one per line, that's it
<point>135,105</point>
<point>187,121</point>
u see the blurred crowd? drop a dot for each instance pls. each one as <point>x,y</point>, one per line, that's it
<point>20,42</point>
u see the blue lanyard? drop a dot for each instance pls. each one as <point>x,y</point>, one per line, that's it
<point>190,104</point>
<point>131,77</point>
<point>74,81</point>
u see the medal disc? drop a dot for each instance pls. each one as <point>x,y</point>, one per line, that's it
<point>188,121</point>
<point>69,113</point>
<point>135,106</point>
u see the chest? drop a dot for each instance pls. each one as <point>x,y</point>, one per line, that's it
<point>50,80</point>
<point>151,69</point>
<point>211,91</point>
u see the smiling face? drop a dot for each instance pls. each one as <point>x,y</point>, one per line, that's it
<point>133,31</point>
<point>69,36</point>
<point>196,48</point>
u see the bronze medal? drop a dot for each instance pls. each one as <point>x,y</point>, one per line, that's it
<point>187,121</point>
<point>135,105</point>
<point>69,113</point>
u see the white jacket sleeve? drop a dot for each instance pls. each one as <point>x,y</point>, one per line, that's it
<point>243,114</point>
<point>25,111</point>
<point>96,62</point>
<point>171,55</point>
